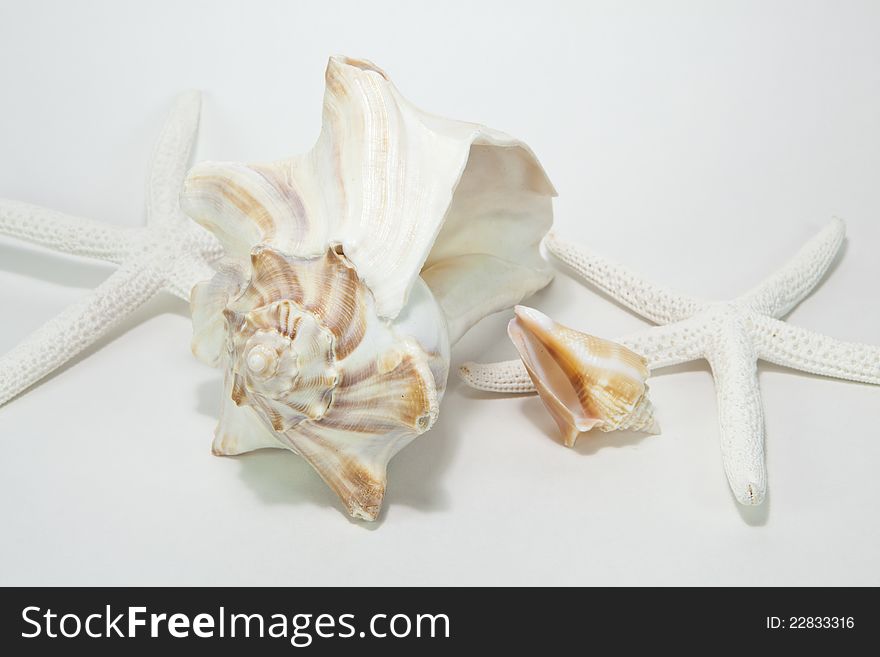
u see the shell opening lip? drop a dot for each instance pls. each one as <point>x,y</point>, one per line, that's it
<point>527,314</point>
<point>536,357</point>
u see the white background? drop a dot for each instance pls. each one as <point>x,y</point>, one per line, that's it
<point>700,143</point>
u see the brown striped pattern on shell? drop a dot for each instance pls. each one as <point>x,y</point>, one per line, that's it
<point>604,392</point>
<point>374,414</point>
<point>373,400</point>
<point>304,319</point>
<point>584,381</point>
<point>246,204</point>
<point>357,476</point>
<point>327,287</point>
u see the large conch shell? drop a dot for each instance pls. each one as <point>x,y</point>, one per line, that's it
<point>585,382</point>
<point>351,270</point>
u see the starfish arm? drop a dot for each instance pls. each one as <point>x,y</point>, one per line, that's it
<point>74,329</point>
<point>186,275</point>
<point>66,233</point>
<point>505,377</point>
<point>800,349</point>
<point>171,159</point>
<point>670,344</point>
<point>782,291</point>
<point>661,346</point>
<point>659,304</point>
<point>734,366</point>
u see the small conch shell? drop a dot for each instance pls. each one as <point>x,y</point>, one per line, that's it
<point>584,381</point>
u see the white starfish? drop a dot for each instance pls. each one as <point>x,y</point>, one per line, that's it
<point>170,253</point>
<point>731,335</point>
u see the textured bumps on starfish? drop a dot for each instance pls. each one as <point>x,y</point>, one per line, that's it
<point>171,254</point>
